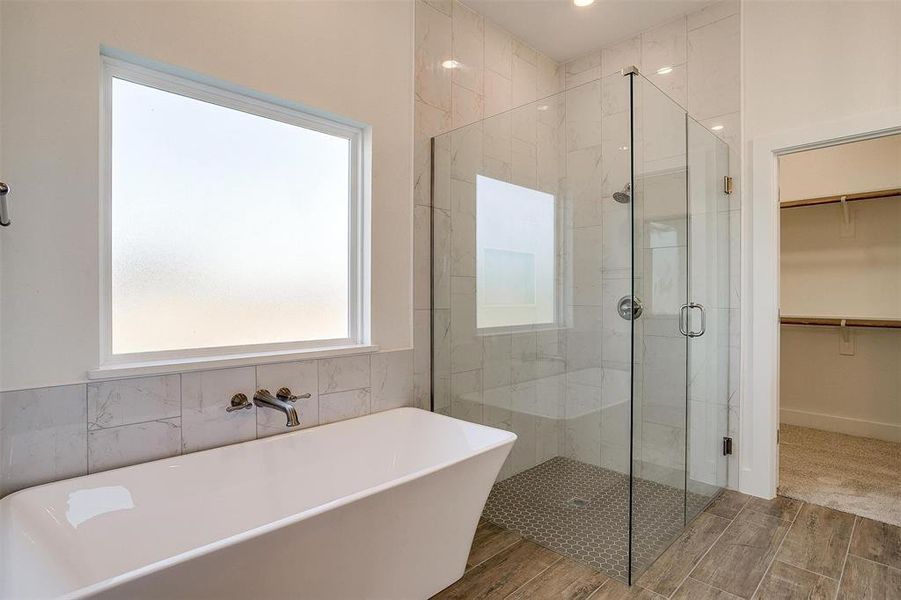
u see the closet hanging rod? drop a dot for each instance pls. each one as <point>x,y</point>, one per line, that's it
<point>837,322</point>
<point>890,193</point>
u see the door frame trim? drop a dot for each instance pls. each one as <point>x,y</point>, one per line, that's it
<point>759,408</point>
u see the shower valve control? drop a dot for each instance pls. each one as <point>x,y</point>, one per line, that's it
<point>629,308</point>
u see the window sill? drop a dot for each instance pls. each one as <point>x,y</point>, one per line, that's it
<point>160,367</point>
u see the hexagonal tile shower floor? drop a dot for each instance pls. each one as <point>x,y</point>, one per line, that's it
<point>582,511</point>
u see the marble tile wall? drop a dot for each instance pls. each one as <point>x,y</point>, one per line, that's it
<point>510,379</point>
<point>55,433</point>
<point>697,57</point>
<point>598,340</point>
<point>497,380</point>
<point>494,72</point>
<point>701,52</point>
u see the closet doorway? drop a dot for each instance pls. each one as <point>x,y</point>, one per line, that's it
<point>840,327</point>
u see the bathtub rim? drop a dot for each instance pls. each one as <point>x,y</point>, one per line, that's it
<point>508,439</point>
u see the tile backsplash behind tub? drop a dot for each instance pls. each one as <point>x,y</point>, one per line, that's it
<point>54,433</point>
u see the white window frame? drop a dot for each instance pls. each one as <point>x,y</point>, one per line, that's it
<point>115,65</point>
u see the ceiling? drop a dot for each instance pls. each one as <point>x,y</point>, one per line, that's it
<point>563,31</point>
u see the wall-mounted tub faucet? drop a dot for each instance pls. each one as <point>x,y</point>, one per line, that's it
<point>283,401</point>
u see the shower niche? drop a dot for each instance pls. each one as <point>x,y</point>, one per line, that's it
<point>580,295</point>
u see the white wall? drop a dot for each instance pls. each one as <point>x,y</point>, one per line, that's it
<point>823,389</point>
<point>804,63</point>
<point>351,58</point>
<point>863,166</point>
<point>810,62</point>
<point>856,273</point>
<point>825,273</point>
<point>1,176</point>
<point>828,269</point>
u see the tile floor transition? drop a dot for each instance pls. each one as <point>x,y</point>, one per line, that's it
<point>582,511</point>
<point>739,547</point>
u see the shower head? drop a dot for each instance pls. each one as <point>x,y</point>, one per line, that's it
<point>625,196</point>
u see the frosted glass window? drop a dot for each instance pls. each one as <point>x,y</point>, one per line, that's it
<point>227,228</point>
<point>515,257</point>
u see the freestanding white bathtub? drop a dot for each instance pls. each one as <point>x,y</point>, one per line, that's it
<point>384,506</point>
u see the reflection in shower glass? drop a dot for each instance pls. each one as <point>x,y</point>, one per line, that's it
<point>514,255</point>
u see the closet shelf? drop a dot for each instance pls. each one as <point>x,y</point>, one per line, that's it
<point>837,322</point>
<point>890,193</point>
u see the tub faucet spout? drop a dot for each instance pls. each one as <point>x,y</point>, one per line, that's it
<point>282,402</point>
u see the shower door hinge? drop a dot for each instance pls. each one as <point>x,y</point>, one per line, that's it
<point>727,184</point>
<point>727,446</point>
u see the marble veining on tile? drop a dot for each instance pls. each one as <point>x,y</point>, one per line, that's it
<point>114,447</point>
<point>205,395</point>
<point>126,401</point>
<point>664,46</point>
<point>344,405</point>
<point>43,436</point>
<point>498,50</point>
<point>468,32</point>
<point>392,380</point>
<point>433,45</point>
<point>54,433</point>
<point>342,374</point>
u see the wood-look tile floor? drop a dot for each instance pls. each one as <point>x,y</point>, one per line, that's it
<point>740,547</point>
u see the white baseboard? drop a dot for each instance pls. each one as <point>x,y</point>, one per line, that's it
<point>859,427</point>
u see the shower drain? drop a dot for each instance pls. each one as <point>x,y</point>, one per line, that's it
<point>578,502</point>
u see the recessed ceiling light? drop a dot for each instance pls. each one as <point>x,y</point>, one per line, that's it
<point>450,64</point>
<point>664,70</point>
<point>583,2</point>
<point>717,128</point>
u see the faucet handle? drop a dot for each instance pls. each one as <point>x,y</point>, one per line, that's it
<point>285,394</point>
<point>238,402</point>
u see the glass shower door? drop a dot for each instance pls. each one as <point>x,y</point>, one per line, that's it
<point>706,317</point>
<point>580,299</point>
<point>660,351</point>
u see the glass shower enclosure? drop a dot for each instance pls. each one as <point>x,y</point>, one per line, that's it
<point>580,293</point>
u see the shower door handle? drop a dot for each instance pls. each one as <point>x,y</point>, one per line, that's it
<point>683,320</point>
<point>683,328</point>
<point>703,329</point>
<point>4,207</point>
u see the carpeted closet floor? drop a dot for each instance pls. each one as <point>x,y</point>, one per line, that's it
<point>858,475</point>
